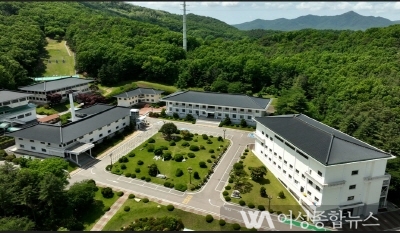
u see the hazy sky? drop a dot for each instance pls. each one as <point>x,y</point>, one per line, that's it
<point>240,12</point>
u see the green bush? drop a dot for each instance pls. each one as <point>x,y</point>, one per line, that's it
<point>106,208</point>
<point>246,150</point>
<point>143,178</point>
<point>227,198</point>
<point>244,153</point>
<point>170,207</point>
<point>127,208</point>
<point>263,192</point>
<point>211,150</point>
<point>123,159</point>
<point>203,164</point>
<point>230,180</point>
<point>196,175</point>
<point>145,200</point>
<point>209,142</point>
<point>140,162</point>
<point>278,212</point>
<point>167,155</point>
<point>195,140</point>
<point>228,187</point>
<point>133,175</point>
<point>209,218</point>
<point>137,170</point>
<point>123,166</point>
<point>242,203</point>
<point>261,208</point>
<point>222,222</point>
<point>225,193</point>
<point>281,194</point>
<point>205,137</point>
<point>148,179</point>
<point>213,156</point>
<point>236,226</point>
<point>202,147</point>
<point>128,174</point>
<point>178,158</point>
<point>131,155</point>
<point>172,143</point>
<point>109,167</point>
<point>131,196</point>
<point>181,187</point>
<point>191,155</point>
<point>209,161</point>
<point>194,148</point>
<point>158,151</point>
<point>242,157</point>
<point>120,194</point>
<point>220,139</point>
<point>251,205</point>
<point>185,144</point>
<point>150,148</point>
<point>151,140</point>
<point>107,192</point>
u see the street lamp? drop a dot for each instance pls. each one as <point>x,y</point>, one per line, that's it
<point>269,202</point>
<point>224,133</point>
<point>190,174</point>
<point>111,158</point>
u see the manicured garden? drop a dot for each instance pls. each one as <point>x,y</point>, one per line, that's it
<point>133,210</point>
<point>50,110</point>
<point>257,185</point>
<point>181,151</point>
<point>101,206</point>
<point>227,123</point>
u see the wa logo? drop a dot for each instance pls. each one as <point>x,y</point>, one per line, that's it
<point>253,222</point>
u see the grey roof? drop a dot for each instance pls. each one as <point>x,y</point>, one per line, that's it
<point>55,84</point>
<point>11,95</point>
<point>73,130</point>
<point>138,91</point>
<point>93,109</point>
<point>325,144</point>
<point>221,99</point>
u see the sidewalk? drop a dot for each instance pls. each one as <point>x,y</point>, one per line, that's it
<point>109,214</point>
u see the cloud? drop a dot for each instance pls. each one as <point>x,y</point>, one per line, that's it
<point>363,6</point>
<point>278,5</point>
<point>225,4</point>
<point>312,6</point>
<point>230,4</point>
<point>396,6</point>
<point>341,6</point>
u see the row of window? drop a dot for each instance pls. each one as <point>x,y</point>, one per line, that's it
<point>32,147</point>
<point>213,107</point>
<point>134,97</point>
<point>22,116</point>
<point>58,90</point>
<point>218,114</point>
<point>6,103</point>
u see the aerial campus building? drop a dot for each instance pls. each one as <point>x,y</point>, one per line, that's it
<point>323,168</point>
<point>139,95</point>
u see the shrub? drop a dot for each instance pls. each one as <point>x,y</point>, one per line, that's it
<point>145,200</point>
<point>106,208</point>
<point>261,208</point>
<point>246,150</point>
<point>202,164</point>
<point>194,148</point>
<point>220,138</point>
<point>209,161</point>
<point>109,167</point>
<point>205,137</point>
<point>228,187</point>
<point>191,155</point>
<point>213,156</point>
<point>230,180</point>
<point>151,140</point>
<point>131,196</point>
<point>263,192</point>
<point>143,178</point>
<point>120,194</point>
<point>172,143</point>
<point>179,172</point>
<point>281,194</point>
<point>148,179</point>
<point>158,151</point>
<point>185,144</point>
<point>131,155</point>
<point>175,115</point>
<point>107,192</point>
<point>242,203</point>
<point>242,157</point>
<point>167,184</point>
<point>150,148</point>
<point>167,155</point>
<point>170,207</point>
<point>178,158</point>
<point>202,147</point>
<point>238,166</point>
<point>240,161</point>
<point>181,187</point>
<point>140,162</point>
<point>123,159</point>
<point>227,198</point>
<point>244,153</point>
<point>225,193</point>
<point>236,226</point>
<point>195,140</point>
<point>128,174</point>
<point>133,175</point>
<point>209,218</point>
<point>196,175</point>
<point>123,166</point>
<point>163,148</point>
<point>222,222</point>
<point>209,142</point>
<point>251,205</point>
<point>211,150</point>
<point>271,211</point>
<point>137,170</point>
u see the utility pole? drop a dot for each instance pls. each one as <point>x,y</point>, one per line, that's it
<point>184,27</point>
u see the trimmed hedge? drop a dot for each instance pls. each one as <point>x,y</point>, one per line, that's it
<point>120,194</point>
<point>145,200</point>
<point>127,208</point>
<point>194,148</point>
<point>228,187</point>
<point>251,205</point>
<point>225,193</point>
<point>209,218</point>
<point>133,175</point>
<point>242,203</point>
<point>222,222</point>
<point>170,207</point>
<point>236,226</point>
<point>131,196</point>
<point>227,198</point>
<point>261,208</point>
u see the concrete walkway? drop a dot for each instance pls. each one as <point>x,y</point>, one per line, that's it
<point>109,214</point>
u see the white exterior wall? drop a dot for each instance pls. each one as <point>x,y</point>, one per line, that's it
<point>27,144</point>
<point>40,96</point>
<point>196,109</point>
<point>328,197</point>
<point>23,115</point>
<point>146,98</point>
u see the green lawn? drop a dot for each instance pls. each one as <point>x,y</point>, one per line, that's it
<point>273,187</point>
<point>170,89</point>
<point>71,166</point>
<point>58,51</point>
<point>61,107</point>
<point>97,210</point>
<point>150,209</point>
<point>169,168</point>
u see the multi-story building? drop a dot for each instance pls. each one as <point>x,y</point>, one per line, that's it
<point>90,126</point>
<point>216,105</point>
<point>15,108</point>
<point>323,168</point>
<point>139,95</point>
<point>62,86</point>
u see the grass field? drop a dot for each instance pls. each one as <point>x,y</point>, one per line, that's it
<point>58,51</point>
<point>273,187</point>
<point>61,107</point>
<point>169,168</point>
<point>150,209</point>
<point>170,89</point>
<point>71,166</point>
<point>97,210</point>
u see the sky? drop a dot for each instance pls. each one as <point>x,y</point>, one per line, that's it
<point>240,12</point>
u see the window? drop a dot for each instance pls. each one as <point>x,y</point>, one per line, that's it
<point>309,193</point>
<point>33,148</point>
<point>124,124</point>
<point>249,117</point>
<point>300,153</point>
<point>101,135</point>
<point>274,163</point>
<point>117,127</point>
<point>303,176</point>
<point>32,140</point>
<point>262,144</point>
<point>290,176</point>
<point>285,162</point>
<point>316,199</point>
<point>284,171</point>
<point>109,131</point>
<point>317,188</point>
<point>352,186</point>
<point>280,158</point>
<point>270,159</point>
<point>42,143</point>
<point>261,152</point>
<point>280,139</point>
<point>20,139</point>
<point>91,140</point>
<point>183,110</point>
<point>43,150</point>
<point>271,139</point>
<point>90,133</point>
<point>310,182</point>
<point>170,109</point>
<point>296,182</point>
<point>270,150</point>
<point>22,146</point>
<point>80,137</point>
<point>319,173</point>
<point>290,166</point>
<point>297,171</point>
<point>108,125</point>
<point>190,111</point>
<point>350,198</point>
<point>28,114</point>
<point>279,167</point>
<point>262,132</point>
<point>99,128</point>
<point>355,172</point>
<point>234,116</point>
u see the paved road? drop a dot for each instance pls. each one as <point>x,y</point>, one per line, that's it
<point>207,200</point>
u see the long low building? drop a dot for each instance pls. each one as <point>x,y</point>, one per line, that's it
<point>139,95</point>
<point>91,126</point>
<point>62,86</point>
<point>216,105</point>
<point>323,168</point>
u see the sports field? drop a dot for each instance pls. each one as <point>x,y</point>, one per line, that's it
<point>61,60</point>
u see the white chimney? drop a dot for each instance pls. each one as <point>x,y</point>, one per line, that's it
<point>72,107</point>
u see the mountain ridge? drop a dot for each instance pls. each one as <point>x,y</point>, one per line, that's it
<point>346,21</point>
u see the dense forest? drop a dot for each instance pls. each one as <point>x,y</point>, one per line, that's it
<point>346,79</point>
